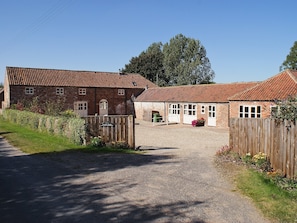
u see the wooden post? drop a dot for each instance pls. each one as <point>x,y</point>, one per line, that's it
<point>131,131</point>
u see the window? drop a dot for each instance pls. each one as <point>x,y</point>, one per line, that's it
<point>82,106</point>
<point>190,109</point>
<point>29,90</point>
<point>274,111</point>
<point>202,109</point>
<point>250,111</point>
<point>59,91</point>
<point>174,109</point>
<point>121,91</point>
<point>82,91</point>
<point>103,104</point>
<point>211,111</point>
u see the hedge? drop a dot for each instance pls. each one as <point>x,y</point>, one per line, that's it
<point>71,128</point>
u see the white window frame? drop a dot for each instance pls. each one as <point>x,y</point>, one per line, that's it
<point>59,91</point>
<point>174,109</point>
<point>202,109</point>
<point>190,109</point>
<point>103,104</point>
<point>250,111</point>
<point>29,90</point>
<point>121,91</point>
<point>82,106</point>
<point>82,91</point>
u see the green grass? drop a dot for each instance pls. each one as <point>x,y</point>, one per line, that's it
<point>32,142</point>
<point>275,203</point>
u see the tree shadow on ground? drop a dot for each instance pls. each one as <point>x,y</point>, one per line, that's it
<point>60,188</point>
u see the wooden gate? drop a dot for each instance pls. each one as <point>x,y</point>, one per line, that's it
<point>111,128</point>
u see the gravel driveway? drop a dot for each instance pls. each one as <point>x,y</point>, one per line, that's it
<point>173,181</point>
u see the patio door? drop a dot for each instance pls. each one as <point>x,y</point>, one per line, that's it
<point>211,115</point>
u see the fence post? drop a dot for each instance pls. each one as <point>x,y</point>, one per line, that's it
<point>131,131</point>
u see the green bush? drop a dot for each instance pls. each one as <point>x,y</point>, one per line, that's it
<point>72,128</point>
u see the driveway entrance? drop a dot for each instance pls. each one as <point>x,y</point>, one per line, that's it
<point>173,180</point>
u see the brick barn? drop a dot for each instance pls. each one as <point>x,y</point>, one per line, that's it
<point>183,104</point>
<point>85,92</point>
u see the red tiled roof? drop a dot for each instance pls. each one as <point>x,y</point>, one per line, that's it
<point>279,86</point>
<point>63,78</point>
<point>194,93</point>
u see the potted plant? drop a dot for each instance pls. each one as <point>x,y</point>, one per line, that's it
<point>198,122</point>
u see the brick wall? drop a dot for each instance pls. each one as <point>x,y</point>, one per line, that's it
<point>265,107</point>
<point>222,115</point>
<point>144,110</point>
<point>117,104</point>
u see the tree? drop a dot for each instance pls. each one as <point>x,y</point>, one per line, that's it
<point>181,61</point>
<point>148,64</point>
<point>291,60</point>
<point>286,109</point>
<point>185,61</point>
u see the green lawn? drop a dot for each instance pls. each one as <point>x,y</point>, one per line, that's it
<point>31,141</point>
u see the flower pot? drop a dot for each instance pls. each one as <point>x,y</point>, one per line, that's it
<point>200,123</point>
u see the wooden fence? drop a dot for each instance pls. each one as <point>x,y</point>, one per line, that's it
<point>277,140</point>
<point>112,128</point>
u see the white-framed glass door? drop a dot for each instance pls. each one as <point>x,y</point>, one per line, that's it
<point>189,113</point>
<point>103,107</point>
<point>174,113</point>
<point>81,108</point>
<point>211,121</point>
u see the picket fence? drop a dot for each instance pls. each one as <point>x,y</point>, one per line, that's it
<point>278,140</point>
<point>111,128</point>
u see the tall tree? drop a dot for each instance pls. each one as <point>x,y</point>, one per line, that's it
<point>181,61</point>
<point>185,62</point>
<point>149,64</point>
<point>291,60</point>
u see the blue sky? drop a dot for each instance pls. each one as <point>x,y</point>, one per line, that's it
<point>245,40</point>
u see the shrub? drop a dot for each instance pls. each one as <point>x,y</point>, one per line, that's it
<point>223,151</point>
<point>69,113</point>
<point>71,128</point>
<point>286,109</point>
<point>97,141</point>
<point>247,158</point>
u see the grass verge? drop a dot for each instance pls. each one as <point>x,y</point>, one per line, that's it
<point>32,142</point>
<point>276,203</point>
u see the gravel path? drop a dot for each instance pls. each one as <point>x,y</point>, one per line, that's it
<point>173,181</point>
<point>189,177</point>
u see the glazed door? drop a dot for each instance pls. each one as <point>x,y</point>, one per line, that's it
<point>81,108</point>
<point>211,115</point>
<point>174,113</point>
<point>189,112</point>
<point>103,107</point>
